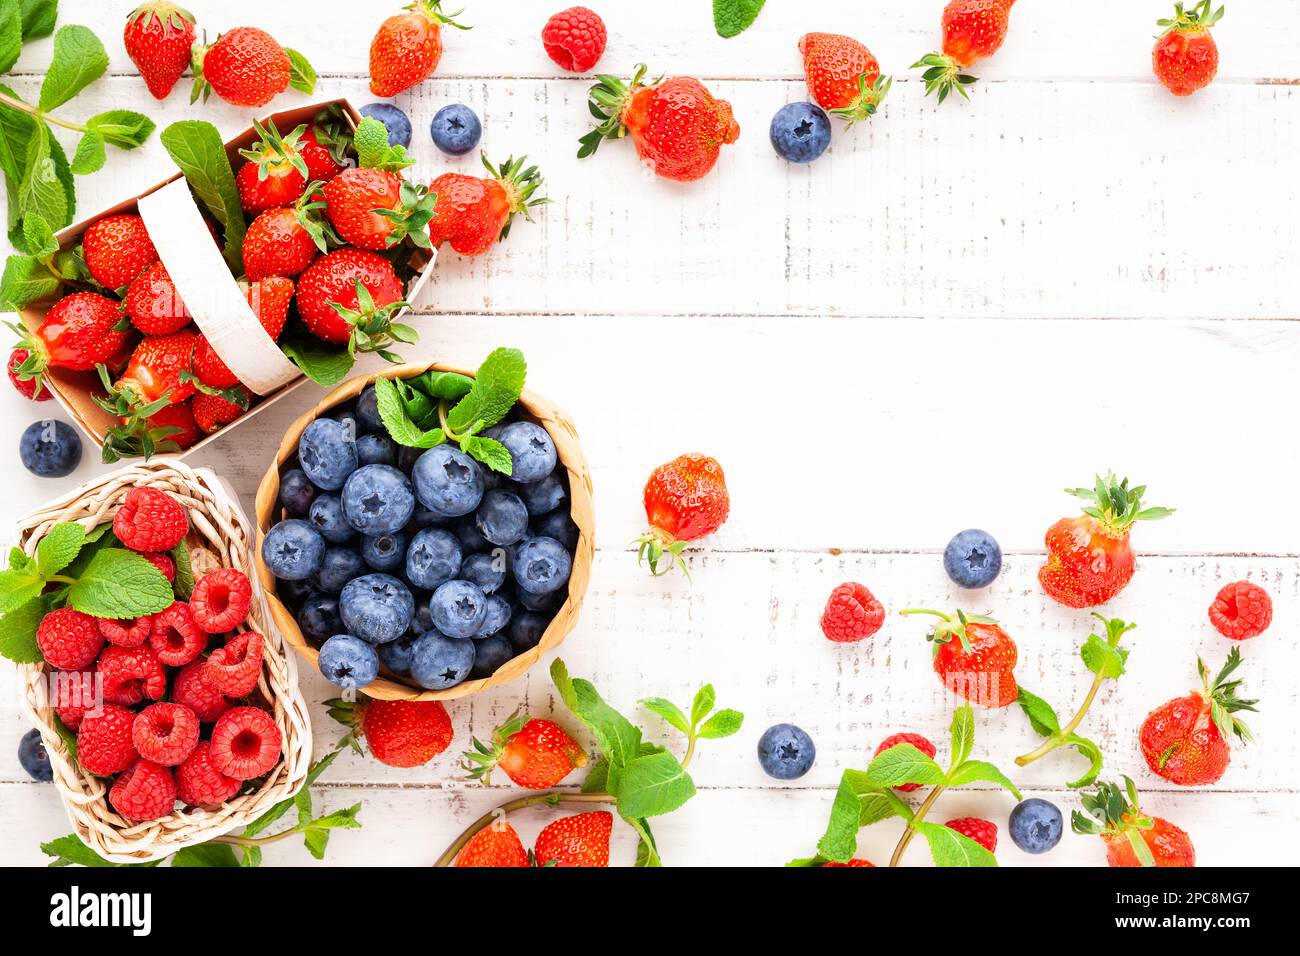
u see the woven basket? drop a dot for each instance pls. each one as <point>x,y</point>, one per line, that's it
<point>217,525</point>
<point>536,409</point>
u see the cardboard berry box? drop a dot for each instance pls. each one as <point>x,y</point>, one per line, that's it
<point>205,284</point>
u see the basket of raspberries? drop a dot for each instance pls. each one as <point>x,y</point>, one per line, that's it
<point>427,533</point>
<point>169,709</point>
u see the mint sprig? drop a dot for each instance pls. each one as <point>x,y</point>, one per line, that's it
<point>733,17</point>
<point>196,147</point>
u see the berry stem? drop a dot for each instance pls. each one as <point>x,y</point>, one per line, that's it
<point>550,797</point>
<point>18,104</point>
<point>910,832</point>
<point>924,610</point>
<point>1058,739</point>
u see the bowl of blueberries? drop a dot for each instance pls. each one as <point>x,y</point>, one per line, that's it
<point>419,569</point>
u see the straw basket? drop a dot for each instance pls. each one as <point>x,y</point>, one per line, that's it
<point>534,408</point>
<point>219,528</point>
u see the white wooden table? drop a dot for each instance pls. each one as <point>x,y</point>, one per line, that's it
<point>950,317</point>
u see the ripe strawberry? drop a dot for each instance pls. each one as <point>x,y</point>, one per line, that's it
<point>401,733</point>
<point>245,67</point>
<point>155,370</point>
<point>245,743</point>
<point>150,520</point>
<point>497,844</point>
<point>851,614</point>
<point>1089,560</point>
<point>214,412</point>
<point>1185,741</point>
<point>199,784</point>
<point>575,39</point>
<point>677,126</point>
<point>68,639</point>
<point>165,733</point>
<point>274,172</point>
<point>78,332</point>
<point>130,674</point>
<point>146,791</point>
<point>104,741</point>
<point>1186,58</point>
<point>283,242</point>
<point>376,209</point>
<point>581,840</point>
<point>972,30</point>
<point>973,657</point>
<point>28,386</point>
<point>472,213</point>
<point>407,47</point>
<point>981,831</point>
<point>685,500</point>
<point>270,299</point>
<point>324,147</point>
<point>117,249</point>
<point>854,863</point>
<point>170,428</point>
<point>534,753</point>
<point>236,668</point>
<point>843,77</point>
<point>1132,837</point>
<point>158,37</point>
<point>916,740</point>
<point>350,295</point>
<point>154,305</point>
<point>1241,610</point>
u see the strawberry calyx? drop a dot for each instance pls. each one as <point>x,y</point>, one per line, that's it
<point>200,89</point>
<point>1221,695</point>
<point>520,184</point>
<point>950,626</point>
<point>135,437</point>
<point>373,328</point>
<point>608,100</point>
<point>169,15</point>
<point>479,762</point>
<point>1117,506</point>
<point>235,394</point>
<point>943,75</point>
<point>411,217</point>
<point>32,368</point>
<point>433,10</point>
<point>1115,811</point>
<point>1196,20</point>
<point>332,132</point>
<point>275,153</point>
<point>309,210</point>
<point>656,545</point>
<point>351,714</point>
<point>870,95</point>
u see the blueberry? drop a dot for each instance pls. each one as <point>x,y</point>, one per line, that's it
<point>376,450</point>
<point>293,593</point>
<point>50,448</point>
<point>538,602</point>
<point>327,452</point>
<point>455,129</point>
<point>502,518</point>
<point>531,451</point>
<point>497,617</point>
<point>327,516</point>
<point>972,559</point>
<point>526,630</point>
<point>339,566</point>
<point>560,526</point>
<point>32,755</point>
<point>378,499</point>
<point>395,121</point>
<point>800,132</point>
<point>448,481</point>
<point>368,412</point>
<point>785,752</point>
<point>488,571</point>
<point>296,492</point>
<point>439,662</point>
<point>543,497</point>
<point>377,608</point>
<point>346,415</point>
<point>424,518</point>
<point>318,618</point>
<point>1036,825</point>
<point>459,609</point>
<point>293,550</point>
<point>422,619</point>
<point>396,656</point>
<point>346,661</point>
<point>542,566</point>
<point>489,654</point>
<point>407,457</point>
<point>471,540</point>
<point>433,558</point>
<point>385,551</point>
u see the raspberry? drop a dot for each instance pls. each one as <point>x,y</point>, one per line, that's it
<point>850,864</point>
<point>851,614</point>
<point>1241,610</point>
<point>68,639</point>
<point>199,784</point>
<point>981,831</point>
<point>104,743</point>
<point>575,39</point>
<point>165,733</point>
<point>220,600</point>
<point>245,743</point>
<point>234,669</point>
<point>150,520</point>
<point>917,741</point>
<point>164,563</point>
<point>145,792</point>
<point>193,689</point>
<point>130,632</point>
<point>72,694</point>
<point>27,386</point>
<point>131,674</point>
<point>175,638</point>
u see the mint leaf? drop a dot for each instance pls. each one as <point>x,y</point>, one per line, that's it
<point>733,17</point>
<point>1094,756</point>
<point>302,77</point>
<point>11,35</point>
<point>419,407</point>
<point>963,734</point>
<point>647,853</point>
<point>69,850</point>
<point>19,586</point>
<point>206,854</point>
<point>38,17</point>
<point>392,411</point>
<point>90,155</point>
<point>490,452</point>
<point>903,763</point>
<point>669,712</point>
<point>59,547</point>
<point>79,60</point>
<point>39,238</point>
<point>858,803</point>
<point>449,385</point>
<point>653,785</point>
<point>973,770</point>
<point>1040,713</point>
<point>122,128</point>
<point>26,280</point>
<point>618,739</point>
<point>702,706</point>
<point>120,584</point>
<point>1103,658</point>
<point>18,632</point>
<point>195,146</point>
<point>722,724</point>
<point>184,583</point>
<point>42,191</point>
<point>497,386</point>
<point>323,363</point>
<point>950,848</point>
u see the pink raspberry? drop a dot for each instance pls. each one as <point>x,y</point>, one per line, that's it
<point>981,831</point>
<point>150,520</point>
<point>851,614</point>
<point>175,638</point>
<point>1241,610</point>
<point>235,668</point>
<point>199,783</point>
<point>220,600</point>
<point>144,792</point>
<point>245,743</point>
<point>575,39</point>
<point>68,639</point>
<point>128,632</point>
<point>130,674</point>
<point>193,689</point>
<point>165,733</point>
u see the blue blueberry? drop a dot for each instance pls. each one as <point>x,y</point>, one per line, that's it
<point>456,129</point>
<point>34,759</point>
<point>50,448</point>
<point>542,565</point>
<point>543,497</point>
<point>385,551</point>
<point>294,593</point>
<point>489,654</point>
<point>439,662</point>
<point>459,609</point>
<point>318,618</point>
<point>448,481</point>
<point>471,540</point>
<point>407,457</point>
<point>800,132</point>
<point>296,493</point>
<point>433,558</point>
<point>378,499</point>
<point>497,617</point>
<point>422,619</point>
<point>558,525</point>
<point>785,752</point>
<point>337,568</point>
<point>368,412</point>
<point>293,550</point>
<point>348,662</point>
<point>377,608</point>
<point>502,518</point>
<point>395,121</point>
<point>525,630</point>
<point>346,415</point>
<point>424,518</point>
<point>396,656</point>
<point>531,451</point>
<point>1036,825</point>
<point>488,571</point>
<point>972,558</point>
<point>538,602</point>
<point>376,450</point>
<point>327,517</point>
<point>327,452</point>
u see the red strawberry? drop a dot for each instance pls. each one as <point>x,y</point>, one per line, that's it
<point>274,172</point>
<point>375,208</point>
<point>1089,560</point>
<point>677,126</point>
<point>974,657</point>
<point>401,733</point>
<point>212,412</point>
<point>283,242</point>
<point>154,305</point>
<point>1132,837</point>
<point>843,77</point>
<point>581,840</point>
<point>575,39</point>
<point>158,37</point>
<point>171,428</point>
<point>1185,741</point>
<point>117,249</point>
<point>1241,610</point>
<point>322,148</point>
<point>1186,58</point>
<point>981,831</point>
<point>270,299</point>
<point>78,332</point>
<point>155,370</point>
<point>336,278</point>
<point>854,863</point>
<point>497,844</point>
<point>685,500</point>
<point>916,740</point>
<point>972,30</point>
<point>407,47</point>
<point>534,753</point>
<point>31,385</point>
<point>245,67</point>
<point>473,213</point>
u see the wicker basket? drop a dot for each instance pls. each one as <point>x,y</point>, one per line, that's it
<point>565,436</point>
<point>217,525</point>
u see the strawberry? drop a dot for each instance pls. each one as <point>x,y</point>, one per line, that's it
<point>245,67</point>
<point>376,209</point>
<point>1186,58</point>
<point>401,733</point>
<point>154,378</point>
<point>323,147</point>
<point>30,386</point>
<point>497,844</point>
<point>78,332</point>
<point>1089,560</point>
<point>284,241</point>
<point>117,249</point>
<point>274,172</point>
<point>473,213</point>
<point>1185,741</point>
<point>677,126</point>
<point>407,47</point>
<point>154,305</point>
<point>158,36</point>
<point>350,295</point>
<point>973,657</point>
<point>270,299</point>
<point>581,840</point>
<point>855,863</point>
<point>843,77</point>
<point>211,412</point>
<point>685,500</point>
<point>1132,837</point>
<point>972,30</point>
<point>534,753</point>
<point>154,371</point>
<point>161,426</point>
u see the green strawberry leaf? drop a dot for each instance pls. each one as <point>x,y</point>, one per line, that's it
<point>647,853</point>
<point>733,17</point>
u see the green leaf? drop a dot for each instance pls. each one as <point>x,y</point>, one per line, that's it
<point>497,386</point>
<point>41,191</point>
<point>618,739</point>
<point>19,586</point>
<point>18,632</point>
<point>302,77</point>
<point>903,763</point>
<point>490,452</point>
<point>122,128</point>
<point>722,724</point>
<point>59,547</point>
<point>647,853</point>
<point>11,34</point>
<point>1103,658</point>
<point>26,280</point>
<point>39,237</point>
<point>973,770</point>
<point>702,705</point>
<point>597,779</point>
<point>206,854</point>
<point>859,802</point>
<point>79,59</point>
<point>38,18</point>
<point>195,146</point>
<point>963,733</point>
<point>1093,754</point>
<point>449,385</point>
<point>397,422</point>
<point>184,583</point>
<point>1040,713</point>
<point>70,850</point>
<point>120,584</point>
<point>1140,848</point>
<point>90,155</point>
<point>371,143</point>
<point>653,785</point>
<point>950,848</point>
<point>733,17</point>
<point>668,711</point>
<point>323,363</point>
